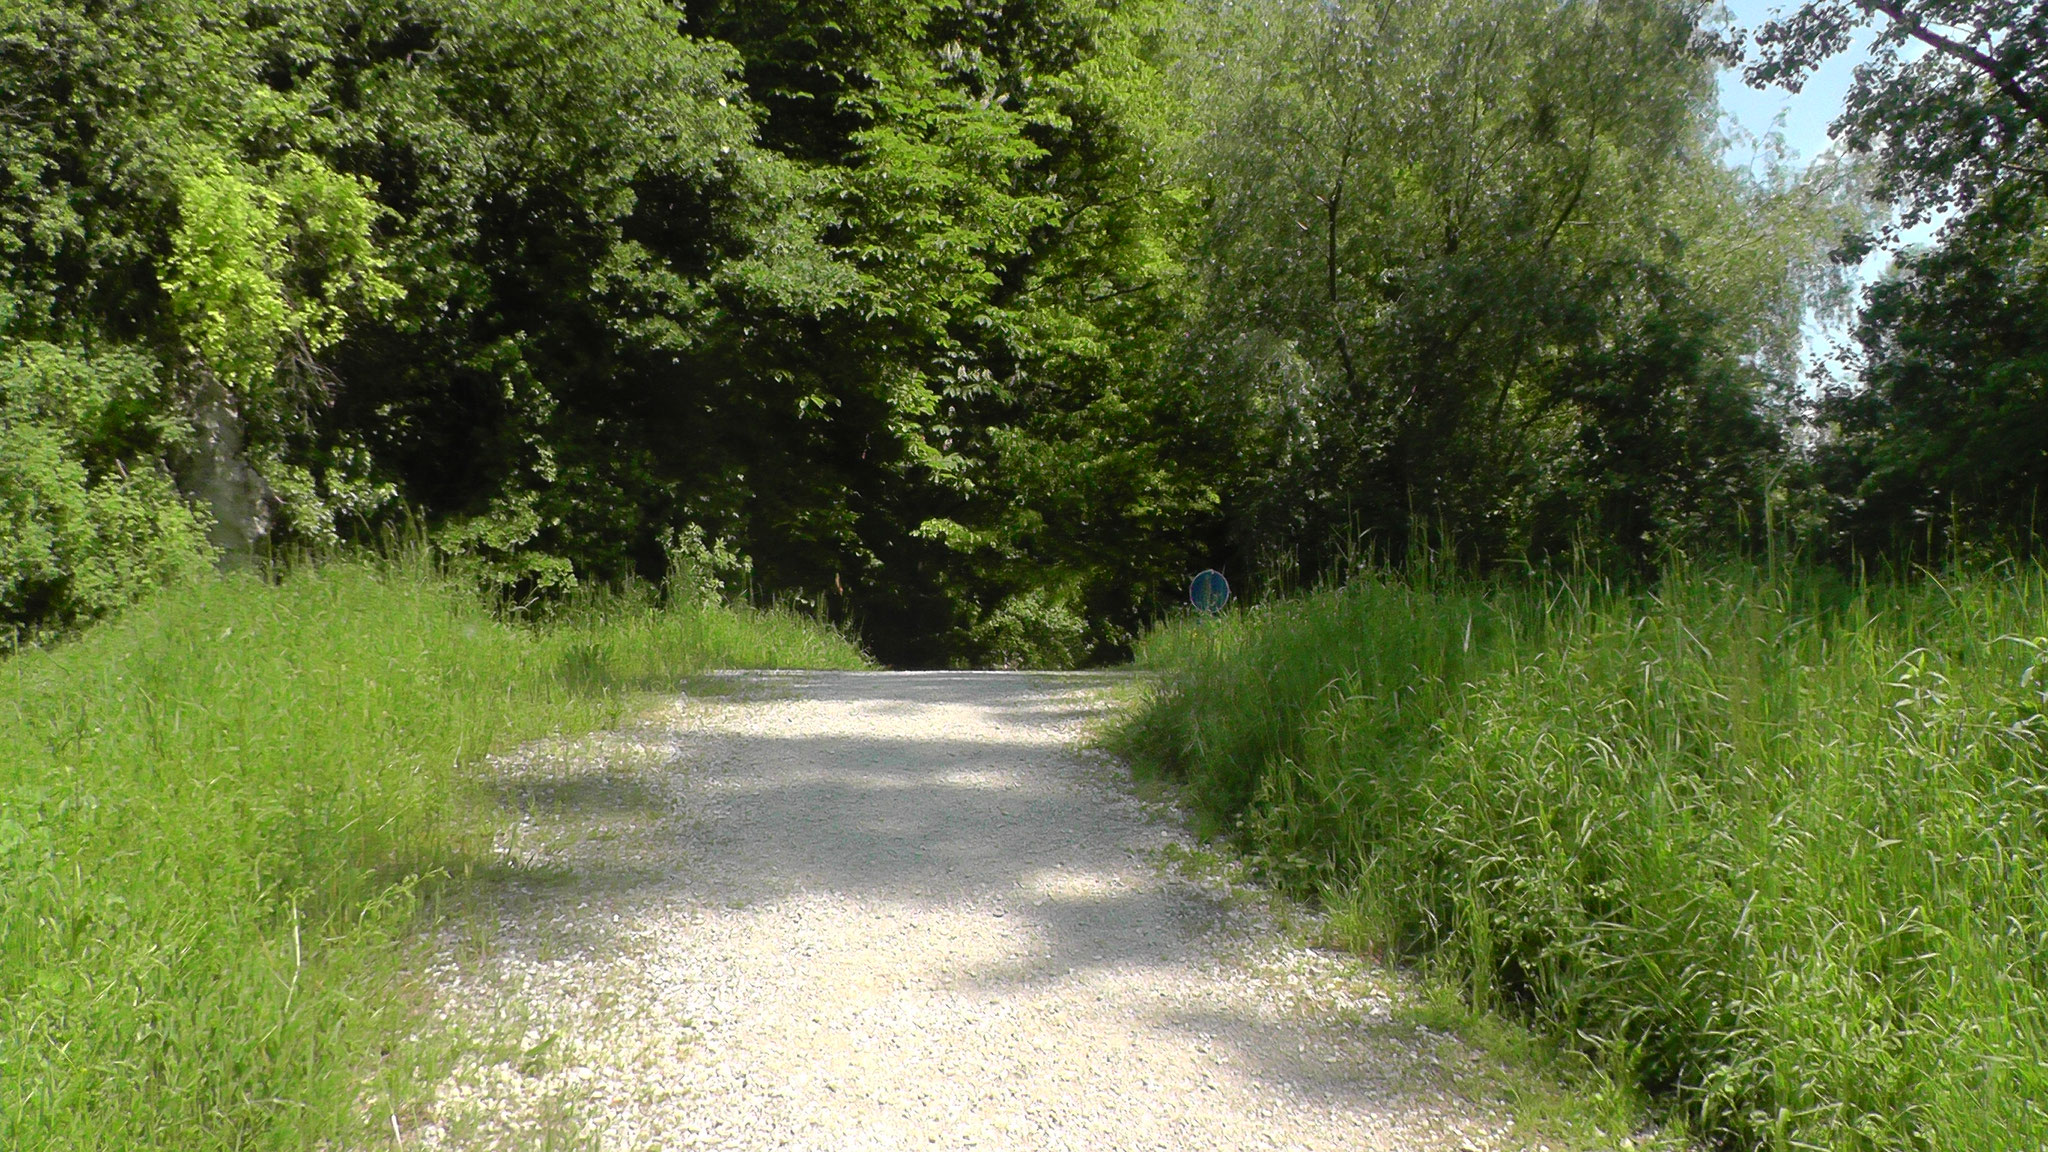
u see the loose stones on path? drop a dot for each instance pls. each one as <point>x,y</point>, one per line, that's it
<point>891,910</point>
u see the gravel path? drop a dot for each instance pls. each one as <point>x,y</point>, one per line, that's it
<point>841,911</point>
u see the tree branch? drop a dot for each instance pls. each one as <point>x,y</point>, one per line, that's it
<point>2000,75</point>
<point>1332,207</point>
<point>1097,299</point>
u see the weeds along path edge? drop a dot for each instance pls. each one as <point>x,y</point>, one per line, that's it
<point>220,814</point>
<point>1768,845</point>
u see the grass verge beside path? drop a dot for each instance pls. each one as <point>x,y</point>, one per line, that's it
<point>1774,849</point>
<point>219,815</point>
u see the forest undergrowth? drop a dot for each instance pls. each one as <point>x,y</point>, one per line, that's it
<point>226,815</point>
<point>1769,846</point>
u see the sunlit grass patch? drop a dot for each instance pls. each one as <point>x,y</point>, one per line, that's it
<point>1772,849</point>
<point>221,814</point>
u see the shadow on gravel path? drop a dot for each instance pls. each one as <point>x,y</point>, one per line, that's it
<point>886,910</point>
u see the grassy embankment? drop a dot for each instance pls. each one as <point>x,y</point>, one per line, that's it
<point>222,813</point>
<point>1776,849</point>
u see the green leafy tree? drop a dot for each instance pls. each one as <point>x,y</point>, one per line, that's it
<point>586,231</point>
<point>86,521</point>
<point>174,250</point>
<point>1953,101</point>
<point>1476,275</point>
<point>981,402</point>
<point>964,322</point>
<point>1946,441</point>
<point>1940,444</point>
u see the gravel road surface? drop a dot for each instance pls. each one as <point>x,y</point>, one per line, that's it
<point>839,911</point>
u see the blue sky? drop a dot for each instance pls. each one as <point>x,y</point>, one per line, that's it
<point>1803,121</point>
<point>1805,117</point>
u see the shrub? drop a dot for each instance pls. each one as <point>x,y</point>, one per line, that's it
<point>87,523</point>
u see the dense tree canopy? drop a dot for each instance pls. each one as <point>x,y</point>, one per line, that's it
<point>1941,442</point>
<point>1954,99</point>
<point>588,284</point>
<point>1945,441</point>
<point>1476,274</point>
<point>977,325</point>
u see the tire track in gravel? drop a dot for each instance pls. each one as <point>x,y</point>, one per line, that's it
<point>840,911</point>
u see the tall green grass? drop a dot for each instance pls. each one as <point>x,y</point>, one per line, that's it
<point>1776,848</point>
<point>219,815</point>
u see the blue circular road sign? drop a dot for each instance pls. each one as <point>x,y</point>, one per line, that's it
<point>1209,591</point>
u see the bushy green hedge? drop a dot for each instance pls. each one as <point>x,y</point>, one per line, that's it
<point>217,816</point>
<point>1774,847</point>
<point>87,523</point>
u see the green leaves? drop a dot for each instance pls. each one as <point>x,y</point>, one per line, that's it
<point>226,258</point>
<point>1944,446</point>
<point>1110,288</point>
<point>1438,233</point>
<point>241,246</point>
<point>87,522</point>
<point>1953,102</point>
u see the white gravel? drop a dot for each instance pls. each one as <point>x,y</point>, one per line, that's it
<point>844,911</point>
